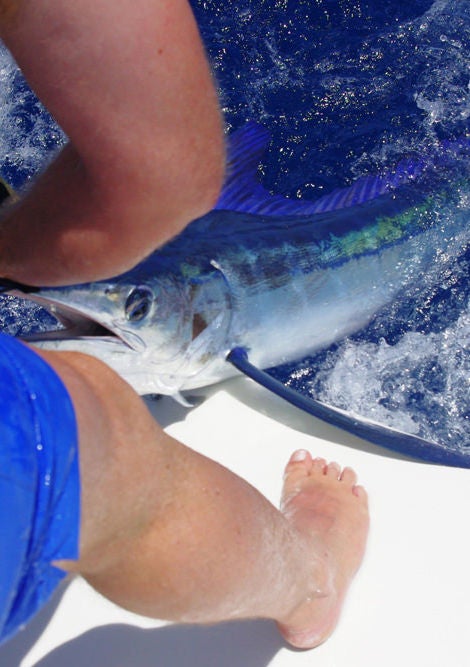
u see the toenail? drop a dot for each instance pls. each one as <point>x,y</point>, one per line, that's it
<point>299,455</point>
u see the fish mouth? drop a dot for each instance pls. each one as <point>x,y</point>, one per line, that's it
<point>72,323</point>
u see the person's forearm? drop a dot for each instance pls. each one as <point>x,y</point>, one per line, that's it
<point>132,89</point>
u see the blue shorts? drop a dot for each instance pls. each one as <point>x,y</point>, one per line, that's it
<point>39,483</point>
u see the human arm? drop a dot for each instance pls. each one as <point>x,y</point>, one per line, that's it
<point>132,89</point>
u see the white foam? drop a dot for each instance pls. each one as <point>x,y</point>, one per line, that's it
<point>28,135</point>
<point>421,385</point>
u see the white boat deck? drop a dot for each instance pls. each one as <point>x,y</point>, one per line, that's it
<point>409,605</point>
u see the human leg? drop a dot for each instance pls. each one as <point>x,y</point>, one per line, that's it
<point>169,533</point>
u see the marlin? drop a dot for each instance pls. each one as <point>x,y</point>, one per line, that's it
<point>265,276</point>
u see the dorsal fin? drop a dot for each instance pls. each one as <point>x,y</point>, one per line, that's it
<point>244,193</point>
<point>242,190</point>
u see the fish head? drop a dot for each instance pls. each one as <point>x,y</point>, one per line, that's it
<point>141,329</point>
<point>157,333</point>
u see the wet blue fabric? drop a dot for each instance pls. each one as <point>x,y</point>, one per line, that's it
<point>39,483</point>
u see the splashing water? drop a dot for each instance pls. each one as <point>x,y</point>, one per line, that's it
<point>420,385</point>
<point>350,88</point>
<point>346,88</point>
<point>28,135</point>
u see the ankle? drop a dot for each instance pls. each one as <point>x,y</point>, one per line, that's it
<point>312,576</point>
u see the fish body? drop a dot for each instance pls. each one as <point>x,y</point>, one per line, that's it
<point>279,278</point>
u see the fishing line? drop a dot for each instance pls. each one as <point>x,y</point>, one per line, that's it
<point>403,443</point>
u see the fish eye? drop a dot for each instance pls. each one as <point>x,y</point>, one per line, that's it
<point>138,304</point>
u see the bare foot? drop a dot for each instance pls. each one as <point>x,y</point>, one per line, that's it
<point>326,506</point>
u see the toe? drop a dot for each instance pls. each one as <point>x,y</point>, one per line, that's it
<point>360,492</point>
<point>299,464</point>
<point>300,456</point>
<point>319,465</point>
<point>348,476</point>
<point>333,470</point>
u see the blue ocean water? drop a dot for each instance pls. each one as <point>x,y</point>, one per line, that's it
<point>346,87</point>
